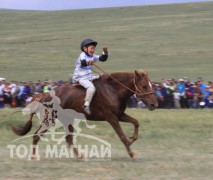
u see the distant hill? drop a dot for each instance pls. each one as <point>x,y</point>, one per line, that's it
<point>171,41</point>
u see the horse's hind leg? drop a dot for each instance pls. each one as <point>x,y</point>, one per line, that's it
<point>129,119</point>
<point>69,139</point>
<point>116,126</point>
<point>36,138</point>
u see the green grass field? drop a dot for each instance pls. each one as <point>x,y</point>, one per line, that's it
<point>172,144</point>
<point>171,41</point>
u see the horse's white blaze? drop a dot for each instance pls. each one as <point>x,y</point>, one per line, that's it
<point>150,85</point>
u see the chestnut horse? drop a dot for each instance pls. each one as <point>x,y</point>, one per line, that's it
<point>108,104</point>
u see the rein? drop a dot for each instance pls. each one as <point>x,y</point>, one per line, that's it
<point>137,92</point>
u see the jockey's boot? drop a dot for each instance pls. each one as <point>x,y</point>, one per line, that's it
<point>87,110</point>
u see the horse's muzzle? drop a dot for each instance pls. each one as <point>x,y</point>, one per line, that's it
<point>152,107</point>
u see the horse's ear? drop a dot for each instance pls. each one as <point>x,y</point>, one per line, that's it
<point>140,73</point>
<point>143,72</point>
<point>137,73</point>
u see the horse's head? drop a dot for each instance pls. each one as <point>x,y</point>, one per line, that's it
<point>143,87</point>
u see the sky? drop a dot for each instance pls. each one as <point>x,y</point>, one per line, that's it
<point>80,4</point>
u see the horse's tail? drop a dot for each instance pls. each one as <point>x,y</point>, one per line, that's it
<point>23,130</point>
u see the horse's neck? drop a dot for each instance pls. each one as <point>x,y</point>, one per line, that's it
<point>126,84</point>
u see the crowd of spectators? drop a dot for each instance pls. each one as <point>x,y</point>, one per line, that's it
<point>181,93</point>
<point>15,94</point>
<point>170,93</point>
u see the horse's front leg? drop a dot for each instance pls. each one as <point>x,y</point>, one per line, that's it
<point>128,119</point>
<point>114,122</point>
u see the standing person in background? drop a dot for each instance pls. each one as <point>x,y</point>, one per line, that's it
<point>210,84</point>
<point>176,96</point>
<point>38,87</point>
<point>168,98</point>
<point>20,99</point>
<point>190,94</point>
<point>12,87</point>
<point>14,93</point>
<point>181,89</point>
<point>26,91</point>
<point>132,103</point>
<point>159,95</point>
<point>201,85</point>
<point>211,96</point>
<point>47,86</point>
<point>1,101</point>
<point>7,95</point>
<point>197,98</point>
<point>206,96</point>
<point>32,88</point>
<point>2,85</point>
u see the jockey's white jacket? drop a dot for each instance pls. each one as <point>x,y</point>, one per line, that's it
<point>84,72</point>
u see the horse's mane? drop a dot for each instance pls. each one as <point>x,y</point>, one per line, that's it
<point>123,75</point>
<point>120,75</point>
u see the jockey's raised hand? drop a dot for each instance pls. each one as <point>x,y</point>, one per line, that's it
<point>105,50</point>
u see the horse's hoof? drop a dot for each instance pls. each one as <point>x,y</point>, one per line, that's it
<point>134,158</point>
<point>82,158</point>
<point>34,157</point>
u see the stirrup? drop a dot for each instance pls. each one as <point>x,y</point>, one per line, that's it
<point>87,110</point>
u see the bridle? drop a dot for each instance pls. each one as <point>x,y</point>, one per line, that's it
<point>137,91</point>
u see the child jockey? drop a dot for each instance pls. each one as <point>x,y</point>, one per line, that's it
<point>83,70</point>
